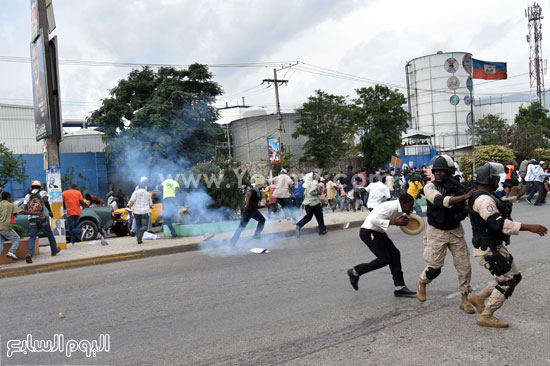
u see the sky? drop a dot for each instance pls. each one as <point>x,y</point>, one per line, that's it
<point>370,40</point>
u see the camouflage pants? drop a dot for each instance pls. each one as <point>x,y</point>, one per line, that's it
<point>496,298</point>
<point>436,243</point>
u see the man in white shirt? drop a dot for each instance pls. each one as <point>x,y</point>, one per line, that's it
<point>377,192</point>
<point>528,178</point>
<point>373,234</point>
<point>141,199</point>
<point>282,191</point>
<point>540,175</point>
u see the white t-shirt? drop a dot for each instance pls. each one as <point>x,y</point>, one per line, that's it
<point>28,197</point>
<point>282,182</point>
<point>377,192</point>
<point>379,218</point>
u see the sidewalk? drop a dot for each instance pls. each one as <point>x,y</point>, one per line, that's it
<point>125,248</point>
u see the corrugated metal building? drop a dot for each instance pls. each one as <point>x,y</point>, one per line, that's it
<point>82,152</point>
<point>249,136</point>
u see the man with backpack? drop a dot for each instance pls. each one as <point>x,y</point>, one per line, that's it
<point>35,201</point>
<point>7,210</point>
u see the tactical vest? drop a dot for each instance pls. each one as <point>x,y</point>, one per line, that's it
<point>484,237</point>
<point>445,218</point>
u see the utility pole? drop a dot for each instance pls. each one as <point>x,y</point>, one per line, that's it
<point>276,82</point>
<point>534,38</point>
<point>47,100</point>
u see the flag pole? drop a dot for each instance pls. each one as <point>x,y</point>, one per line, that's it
<point>473,120</point>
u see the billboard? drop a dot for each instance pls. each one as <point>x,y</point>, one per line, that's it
<point>40,89</point>
<point>274,151</point>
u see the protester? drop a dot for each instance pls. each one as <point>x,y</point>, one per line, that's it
<point>250,211</point>
<point>389,182</point>
<point>373,234</point>
<point>142,202</point>
<point>446,209</point>
<point>540,175</point>
<point>348,188</point>
<point>299,193</point>
<point>332,192</point>
<point>169,204</point>
<point>273,206</point>
<point>94,200</point>
<point>415,189</point>
<point>492,227</point>
<point>73,201</point>
<point>145,182</point>
<point>377,192</point>
<point>36,201</point>
<point>7,209</point>
<point>312,204</point>
<point>283,182</point>
<point>529,180</point>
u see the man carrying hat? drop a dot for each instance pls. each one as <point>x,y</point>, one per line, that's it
<point>373,234</point>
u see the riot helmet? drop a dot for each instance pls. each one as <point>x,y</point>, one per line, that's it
<point>488,174</point>
<point>443,162</point>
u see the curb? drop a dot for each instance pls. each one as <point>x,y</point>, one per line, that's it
<point>88,261</point>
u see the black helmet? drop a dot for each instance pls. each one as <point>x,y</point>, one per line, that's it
<point>488,174</point>
<point>443,162</point>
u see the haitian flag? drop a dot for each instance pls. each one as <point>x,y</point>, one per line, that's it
<point>489,70</point>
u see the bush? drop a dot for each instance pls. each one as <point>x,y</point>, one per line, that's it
<point>492,153</point>
<point>541,154</point>
<point>19,230</point>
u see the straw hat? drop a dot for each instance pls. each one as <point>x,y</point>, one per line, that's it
<point>415,225</point>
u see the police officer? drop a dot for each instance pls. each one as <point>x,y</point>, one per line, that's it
<point>492,227</point>
<point>446,209</point>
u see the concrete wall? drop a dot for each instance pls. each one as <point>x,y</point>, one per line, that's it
<point>90,165</point>
<point>249,137</point>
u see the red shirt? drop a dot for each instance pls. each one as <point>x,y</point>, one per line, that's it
<point>71,199</point>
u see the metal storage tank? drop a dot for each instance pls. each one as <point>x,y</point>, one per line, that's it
<point>439,96</point>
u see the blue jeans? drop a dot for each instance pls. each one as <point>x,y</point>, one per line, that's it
<point>149,224</point>
<point>299,201</point>
<point>245,218</point>
<point>286,206</point>
<point>10,235</point>
<point>169,206</point>
<point>533,191</point>
<point>417,208</point>
<point>141,224</point>
<point>72,223</point>
<point>34,227</point>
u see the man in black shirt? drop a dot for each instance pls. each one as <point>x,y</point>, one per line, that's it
<point>250,211</point>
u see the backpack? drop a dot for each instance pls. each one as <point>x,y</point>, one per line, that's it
<point>35,202</point>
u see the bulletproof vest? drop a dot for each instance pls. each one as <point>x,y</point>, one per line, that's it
<point>445,218</point>
<point>483,236</point>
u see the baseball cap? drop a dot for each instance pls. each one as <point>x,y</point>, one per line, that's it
<point>36,183</point>
<point>542,162</point>
<point>533,161</point>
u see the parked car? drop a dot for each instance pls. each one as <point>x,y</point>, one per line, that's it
<point>91,219</point>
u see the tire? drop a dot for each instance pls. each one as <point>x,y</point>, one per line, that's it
<point>120,229</point>
<point>91,227</point>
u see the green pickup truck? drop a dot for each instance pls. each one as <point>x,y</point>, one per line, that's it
<point>91,219</point>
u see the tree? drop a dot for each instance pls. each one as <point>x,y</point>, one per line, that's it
<point>228,192</point>
<point>326,121</point>
<point>380,120</point>
<point>535,116</point>
<point>488,153</point>
<point>161,119</point>
<point>524,139</point>
<point>11,167</point>
<point>492,130</point>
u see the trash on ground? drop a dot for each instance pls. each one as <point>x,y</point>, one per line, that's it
<point>346,225</point>
<point>149,236</point>
<point>207,236</point>
<point>259,250</point>
<point>61,315</point>
<point>94,242</point>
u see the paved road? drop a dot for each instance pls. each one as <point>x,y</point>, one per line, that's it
<point>293,306</point>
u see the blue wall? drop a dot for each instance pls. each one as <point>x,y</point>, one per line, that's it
<point>92,166</point>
